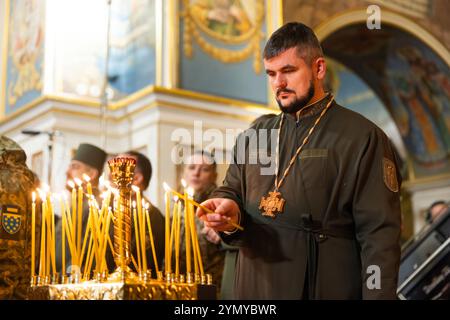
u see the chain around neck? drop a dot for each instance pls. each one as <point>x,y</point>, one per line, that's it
<point>299,149</point>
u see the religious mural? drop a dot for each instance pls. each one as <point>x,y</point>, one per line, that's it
<point>228,21</point>
<point>221,38</point>
<point>411,81</point>
<point>25,53</point>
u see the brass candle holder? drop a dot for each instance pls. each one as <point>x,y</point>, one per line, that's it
<point>122,172</point>
<point>123,283</point>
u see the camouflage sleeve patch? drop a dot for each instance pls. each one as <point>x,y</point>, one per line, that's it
<point>11,222</point>
<point>390,175</point>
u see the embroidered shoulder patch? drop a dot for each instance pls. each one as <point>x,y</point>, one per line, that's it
<point>390,175</point>
<point>11,222</point>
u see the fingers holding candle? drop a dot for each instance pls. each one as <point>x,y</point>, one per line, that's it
<point>220,214</point>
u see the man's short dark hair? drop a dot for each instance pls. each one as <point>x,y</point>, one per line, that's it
<point>428,215</point>
<point>294,34</point>
<point>143,165</point>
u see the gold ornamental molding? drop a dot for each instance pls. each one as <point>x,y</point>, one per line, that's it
<point>197,23</point>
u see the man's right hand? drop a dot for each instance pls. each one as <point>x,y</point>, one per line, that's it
<point>224,210</point>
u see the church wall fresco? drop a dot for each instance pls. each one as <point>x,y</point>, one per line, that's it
<point>411,80</point>
<point>24,53</point>
<point>58,47</point>
<point>221,43</point>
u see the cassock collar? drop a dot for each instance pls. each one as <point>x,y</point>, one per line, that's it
<point>312,109</point>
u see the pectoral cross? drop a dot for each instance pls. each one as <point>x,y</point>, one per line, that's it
<point>272,204</point>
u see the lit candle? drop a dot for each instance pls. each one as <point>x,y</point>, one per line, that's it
<point>143,240</point>
<point>152,243</point>
<point>33,233</point>
<point>69,229</point>
<point>177,242</point>
<point>43,237</point>
<point>69,238</point>
<point>105,239</point>
<point>80,213</point>
<point>167,229</point>
<point>94,227</point>
<point>141,227</point>
<point>172,231</point>
<point>186,229</point>
<point>48,241</point>
<point>196,204</point>
<point>136,233</point>
<point>67,224</point>
<point>73,216</point>
<point>52,232</point>
<point>193,232</point>
<point>63,235</point>
<point>88,183</point>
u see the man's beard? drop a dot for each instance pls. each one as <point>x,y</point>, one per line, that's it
<point>298,103</point>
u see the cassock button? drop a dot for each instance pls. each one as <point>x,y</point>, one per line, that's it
<point>321,237</point>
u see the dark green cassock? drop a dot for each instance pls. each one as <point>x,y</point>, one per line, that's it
<point>342,211</point>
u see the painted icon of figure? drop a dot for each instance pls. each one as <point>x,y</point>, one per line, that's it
<point>27,36</point>
<point>422,137</point>
<point>225,17</point>
<point>429,90</point>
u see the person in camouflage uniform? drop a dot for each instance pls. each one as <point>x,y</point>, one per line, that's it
<point>16,185</point>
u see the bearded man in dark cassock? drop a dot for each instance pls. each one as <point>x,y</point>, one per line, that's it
<point>325,224</point>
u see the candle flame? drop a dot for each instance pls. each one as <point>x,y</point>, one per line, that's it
<point>134,204</point>
<point>175,198</point>
<point>45,188</point>
<point>107,184</point>
<point>147,205</point>
<point>166,187</point>
<point>78,182</point>
<point>33,196</point>
<point>101,180</point>
<point>183,183</point>
<point>41,194</point>
<point>190,192</point>
<point>71,184</point>
<point>86,177</point>
<point>135,189</point>
<point>143,202</point>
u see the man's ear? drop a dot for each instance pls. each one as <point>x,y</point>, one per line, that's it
<point>320,68</point>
